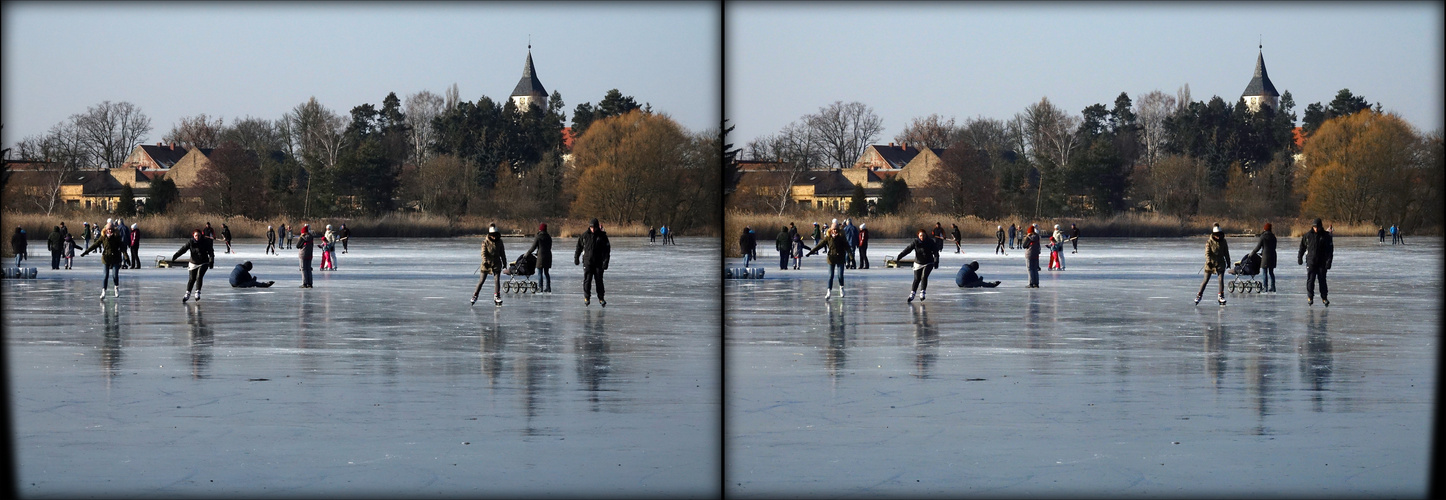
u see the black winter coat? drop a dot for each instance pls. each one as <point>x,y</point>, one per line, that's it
<point>593,249</point>
<point>241,275</point>
<point>926,251</point>
<point>1265,247</point>
<point>542,244</point>
<point>201,250</point>
<point>1317,249</point>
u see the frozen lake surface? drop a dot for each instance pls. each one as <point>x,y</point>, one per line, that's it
<point>1105,382</point>
<point>381,381</point>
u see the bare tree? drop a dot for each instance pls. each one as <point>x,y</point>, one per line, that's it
<point>254,134</point>
<point>198,131</point>
<point>986,133</point>
<point>842,131</point>
<point>110,131</point>
<point>1182,97</point>
<point>63,146</point>
<point>796,149</point>
<point>1052,136</point>
<point>931,131</point>
<point>1152,109</point>
<point>317,132</point>
<point>454,97</point>
<point>421,108</point>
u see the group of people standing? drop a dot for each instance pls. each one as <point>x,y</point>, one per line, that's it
<point>62,244</point>
<point>1316,252</point>
<point>593,253</point>
<point>1395,232</point>
<point>666,233</point>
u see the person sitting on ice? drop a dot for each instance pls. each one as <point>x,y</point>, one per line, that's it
<point>241,277</point>
<point>968,278</point>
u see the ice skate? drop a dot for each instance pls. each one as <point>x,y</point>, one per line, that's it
<point>473,301</point>
<point>1197,300</point>
<point>197,298</point>
<point>1220,299</point>
<point>1310,301</point>
<point>921,295</point>
<point>1325,302</point>
<point>827,293</point>
<point>186,297</point>
<point>102,293</point>
<point>586,301</point>
<point>115,292</point>
<point>911,297</point>
<point>840,291</point>
<point>602,302</point>
<point>496,299</point>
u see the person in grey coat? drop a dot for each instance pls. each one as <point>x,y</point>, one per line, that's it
<point>542,245</point>
<point>1265,248</point>
<point>1316,253</point>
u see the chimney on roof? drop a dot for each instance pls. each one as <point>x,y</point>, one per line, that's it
<point>904,146</point>
<point>891,144</point>
<point>173,146</point>
<point>159,144</point>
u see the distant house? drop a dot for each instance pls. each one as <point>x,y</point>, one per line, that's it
<point>821,189</point>
<point>879,162</point>
<point>148,158</point>
<point>95,188</point>
<point>186,172</point>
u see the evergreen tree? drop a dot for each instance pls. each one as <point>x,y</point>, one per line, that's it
<point>126,207</point>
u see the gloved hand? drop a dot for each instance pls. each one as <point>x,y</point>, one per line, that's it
<point>575,262</point>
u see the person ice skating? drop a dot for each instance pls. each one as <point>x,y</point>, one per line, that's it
<point>593,253</point>
<point>328,248</point>
<point>748,244</point>
<point>494,260</point>
<point>1031,255</point>
<point>18,244</point>
<point>270,240</point>
<point>1053,254</point>
<point>1059,253</point>
<point>1316,253</point>
<point>782,244</point>
<point>86,232</point>
<point>958,239</point>
<point>290,233</point>
<point>926,255</point>
<point>817,233</point>
<point>1217,260</point>
<point>999,236</point>
<point>1074,238</point>
<point>672,237</point>
<point>134,243</point>
<point>837,247</point>
<point>304,250</point>
<point>1011,235</point>
<point>938,232</point>
<point>344,235</point>
<point>241,278</point>
<point>542,248</point>
<point>1381,234</point>
<point>325,254</point>
<point>797,250</point>
<point>111,247</point>
<point>54,244</point>
<point>968,277</point>
<point>202,254</point>
<point>226,236</point>
<point>863,246</point>
<point>209,232</point>
<point>1265,248</point>
<point>69,253</point>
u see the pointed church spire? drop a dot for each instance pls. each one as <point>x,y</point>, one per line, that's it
<point>529,86</point>
<point>1260,84</point>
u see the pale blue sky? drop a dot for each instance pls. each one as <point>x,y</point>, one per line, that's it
<point>262,59</point>
<point>992,60</point>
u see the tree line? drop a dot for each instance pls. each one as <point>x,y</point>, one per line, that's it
<point>430,153</point>
<point>1159,153</point>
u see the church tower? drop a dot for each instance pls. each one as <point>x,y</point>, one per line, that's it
<point>1260,91</point>
<point>529,91</point>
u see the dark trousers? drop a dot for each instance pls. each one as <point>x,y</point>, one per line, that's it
<point>1313,274</point>
<point>306,272</point>
<point>343,245</point>
<point>544,278</point>
<point>110,270</point>
<point>589,275</point>
<point>1033,262</point>
<point>55,259</point>
<point>271,246</point>
<point>197,275</point>
<point>136,257</point>
<point>496,284</point>
<point>999,248</point>
<point>1075,244</point>
<point>783,259</point>
<point>1207,282</point>
<point>840,268</point>
<point>851,262</point>
<point>1011,242</point>
<point>921,276</point>
<point>863,256</point>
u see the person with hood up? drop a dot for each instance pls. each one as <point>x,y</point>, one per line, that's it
<point>55,243</point>
<point>748,244</point>
<point>304,252</point>
<point>863,246</point>
<point>1012,232</point>
<point>86,232</point>
<point>270,240</point>
<point>203,257</point>
<point>838,249</point>
<point>69,253</point>
<point>1265,248</point>
<point>323,244</point>
<point>958,238</point>
<point>290,233</point>
<point>226,236</point>
<point>1056,242</point>
<point>1074,237</point>
<point>1031,255</point>
<point>344,235</point>
<point>796,240</point>
<point>783,245</point>
<point>851,235</point>
<point>328,256</point>
<point>542,246</point>
<point>593,254</point>
<point>134,242</point>
<point>968,277</point>
<point>1217,260</point>
<point>652,235</point>
<point>999,235</point>
<point>494,260</point>
<point>18,244</point>
<point>926,257</point>
<point>817,233</point>
<point>241,278</point>
<point>1316,253</point>
<point>110,256</point>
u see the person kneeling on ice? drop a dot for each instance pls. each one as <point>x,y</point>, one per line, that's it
<point>968,278</point>
<point>241,277</point>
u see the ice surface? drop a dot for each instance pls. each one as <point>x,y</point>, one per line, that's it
<point>380,381</point>
<point>1106,381</point>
